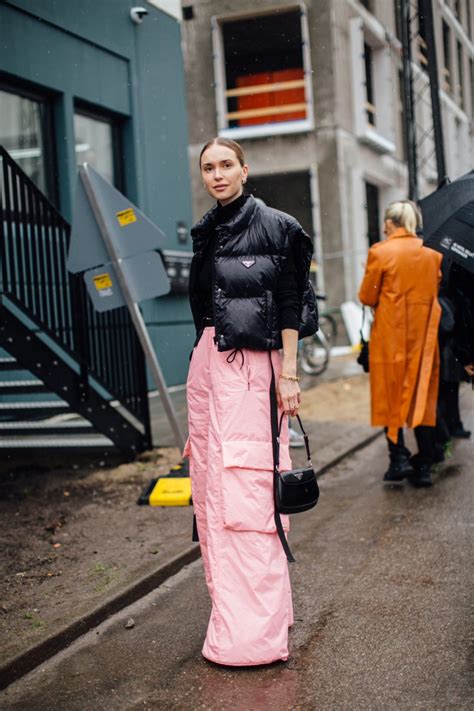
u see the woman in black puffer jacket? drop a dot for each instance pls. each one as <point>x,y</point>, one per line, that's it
<point>250,296</point>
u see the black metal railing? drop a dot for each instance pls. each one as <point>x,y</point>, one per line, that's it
<point>34,242</point>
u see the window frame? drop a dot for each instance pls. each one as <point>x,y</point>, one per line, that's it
<point>26,90</point>
<point>382,136</point>
<point>96,113</point>
<point>270,129</point>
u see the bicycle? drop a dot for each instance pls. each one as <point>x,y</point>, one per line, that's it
<point>314,351</point>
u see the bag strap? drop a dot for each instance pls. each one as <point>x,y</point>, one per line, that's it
<point>362,324</point>
<point>276,461</point>
<point>305,436</point>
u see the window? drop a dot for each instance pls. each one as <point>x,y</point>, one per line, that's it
<point>262,71</point>
<point>97,143</point>
<point>398,19</point>
<point>369,84</point>
<point>460,74</point>
<point>446,84</point>
<point>373,214</point>
<point>401,108</point>
<point>422,53</point>
<point>24,123</point>
<point>371,67</point>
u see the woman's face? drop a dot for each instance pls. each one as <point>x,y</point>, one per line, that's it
<point>222,174</point>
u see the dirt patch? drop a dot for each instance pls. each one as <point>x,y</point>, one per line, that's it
<point>73,535</point>
<point>341,400</point>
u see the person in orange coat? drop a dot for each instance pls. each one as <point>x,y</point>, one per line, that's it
<point>401,284</point>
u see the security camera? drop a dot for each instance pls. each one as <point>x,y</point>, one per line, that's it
<point>137,14</point>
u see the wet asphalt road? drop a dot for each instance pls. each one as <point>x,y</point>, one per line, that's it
<point>383,606</point>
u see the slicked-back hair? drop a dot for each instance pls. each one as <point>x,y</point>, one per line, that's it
<point>229,143</point>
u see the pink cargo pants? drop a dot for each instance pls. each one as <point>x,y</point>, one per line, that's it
<point>230,450</point>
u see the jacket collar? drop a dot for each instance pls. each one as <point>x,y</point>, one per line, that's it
<point>401,232</point>
<point>237,223</point>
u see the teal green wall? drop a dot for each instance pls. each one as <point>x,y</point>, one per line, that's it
<point>89,50</point>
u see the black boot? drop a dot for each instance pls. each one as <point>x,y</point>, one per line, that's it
<point>459,432</point>
<point>399,469</point>
<point>421,476</point>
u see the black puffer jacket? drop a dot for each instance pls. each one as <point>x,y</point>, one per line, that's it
<point>249,252</point>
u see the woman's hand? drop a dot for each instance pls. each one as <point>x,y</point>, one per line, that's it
<point>289,396</point>
<point>288,391</point>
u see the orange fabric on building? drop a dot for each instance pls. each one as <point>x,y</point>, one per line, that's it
<point>401,282</point>
<point>271,98</point>
<point>254,101</point>
<point>289,96</point>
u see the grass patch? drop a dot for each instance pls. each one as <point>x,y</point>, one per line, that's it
<point>36,621</point>
<point>103,574</point>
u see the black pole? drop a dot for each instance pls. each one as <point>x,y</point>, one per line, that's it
<point>408,103</point>
<point>426,9</point>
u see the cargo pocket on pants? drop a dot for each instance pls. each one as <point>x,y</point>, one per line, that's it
<point>247,485</point>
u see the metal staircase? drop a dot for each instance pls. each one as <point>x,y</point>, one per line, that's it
<point>70,378</point>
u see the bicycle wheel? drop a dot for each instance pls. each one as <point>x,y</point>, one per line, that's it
<point>328,324</point>
<point>327,328</point>
<point>314,354</point>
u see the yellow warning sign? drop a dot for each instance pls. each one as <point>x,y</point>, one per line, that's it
<point>170,491</point>
<point>126,217</point>
<point>102,281</point>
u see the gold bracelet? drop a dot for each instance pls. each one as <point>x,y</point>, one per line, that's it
<point>294,378</point>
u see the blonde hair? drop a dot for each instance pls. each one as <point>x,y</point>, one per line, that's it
<point>404,213</point>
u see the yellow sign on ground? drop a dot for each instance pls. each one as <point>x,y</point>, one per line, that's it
<point>126,217</point>
<point>171,491</point>
<point>102,281</point>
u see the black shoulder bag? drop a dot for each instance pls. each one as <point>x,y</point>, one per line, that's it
<point>294,491</point>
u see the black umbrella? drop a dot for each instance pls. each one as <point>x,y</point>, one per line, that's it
<point>448,220</point>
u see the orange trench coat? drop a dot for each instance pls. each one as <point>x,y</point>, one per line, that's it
<point>401,283</point>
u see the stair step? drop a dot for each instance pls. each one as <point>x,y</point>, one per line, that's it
<point>55,443</point>
<point>9,387</point>
<point>35,409</point>
<point>42,427</point>
<point>10,364</point>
